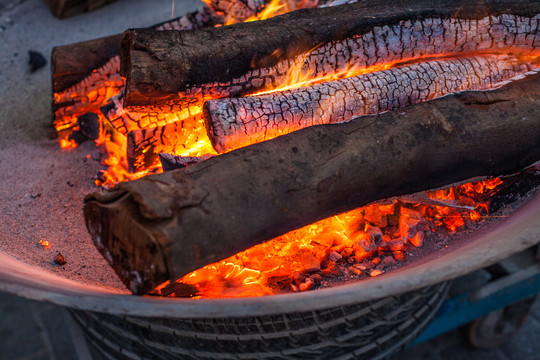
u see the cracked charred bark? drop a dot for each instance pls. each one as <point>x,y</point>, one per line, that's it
<point>238,122</point>
<point>164,226</point>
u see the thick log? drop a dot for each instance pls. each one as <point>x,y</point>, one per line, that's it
<point>238,122</point>
<point>163,226</point>
<point>66,8</point>
<point>243,58</point>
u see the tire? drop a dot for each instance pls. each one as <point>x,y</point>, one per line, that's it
<point>372,330</point>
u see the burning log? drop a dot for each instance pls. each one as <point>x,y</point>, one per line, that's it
<point>244,58</point>
<point>164,226</point>
<point>235,122</point>
<point>72,63</point>
<point>238,122</point>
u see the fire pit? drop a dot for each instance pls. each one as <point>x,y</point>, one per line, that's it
<point>339,322</point>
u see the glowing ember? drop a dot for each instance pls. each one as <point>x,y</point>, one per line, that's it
<point>44,243</point>
<point>360,243</point>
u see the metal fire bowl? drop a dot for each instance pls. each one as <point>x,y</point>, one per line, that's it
<point>487,246</point>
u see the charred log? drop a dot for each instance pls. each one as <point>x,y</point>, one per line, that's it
<point>243,58</point>
<point>514,188</point>
<point>238,122</point>
<point>164,226</point>
<point>72,63</point>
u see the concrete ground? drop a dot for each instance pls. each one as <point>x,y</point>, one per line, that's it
<point>34,330</point>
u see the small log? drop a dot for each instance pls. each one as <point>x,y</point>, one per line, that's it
<point>66,8</point>
<point>244,58</point>
<point>514,188</point>
<point>164,226</point>
<point>238,122</point>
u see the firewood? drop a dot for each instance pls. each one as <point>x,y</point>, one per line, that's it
<point>164,226</point>
<point>243,58</point>
<point>238,122</point>
<point>72,63</point>
<point>514,188</point>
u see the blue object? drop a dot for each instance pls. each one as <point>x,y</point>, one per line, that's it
<point>462,309</point>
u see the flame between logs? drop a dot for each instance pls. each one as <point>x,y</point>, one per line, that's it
<point>359,244</point>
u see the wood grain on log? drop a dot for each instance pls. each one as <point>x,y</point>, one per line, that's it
<point>238,122</point>
<point>164,226</point>
<point>239,59</point>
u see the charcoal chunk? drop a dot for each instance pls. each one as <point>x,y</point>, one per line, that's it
<point>89,125</point>
<point>36,60</point>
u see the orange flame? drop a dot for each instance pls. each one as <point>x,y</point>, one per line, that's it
<point>357,242</point>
